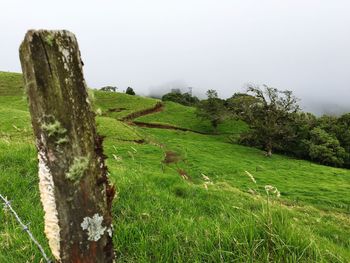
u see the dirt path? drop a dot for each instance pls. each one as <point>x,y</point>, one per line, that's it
<point>129,119</point>
<point>157,108</point>
<point>165,126</point>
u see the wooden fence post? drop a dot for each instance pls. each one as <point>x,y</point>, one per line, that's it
<point>74,187</point>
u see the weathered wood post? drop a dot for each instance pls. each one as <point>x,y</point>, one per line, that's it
<point>74,188</point>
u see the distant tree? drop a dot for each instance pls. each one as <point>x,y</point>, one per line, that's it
<point>109,88</point>
<point>182,98</point>
<point>176,90</point>
<point>130,91</point>
<point>343,131</point>
<point>276,124</point>
<point>270,115</point>
<point>240,103</point>
<point>343,135</point>
<point>189,100</point>
<point>172,96</point>
<point>212,109</point>
<point>328,123</point>
<point>325,148</point>
<point>301,124</point>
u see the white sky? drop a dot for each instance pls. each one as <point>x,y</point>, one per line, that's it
<point>300,45</point>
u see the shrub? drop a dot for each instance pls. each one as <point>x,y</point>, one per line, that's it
<point>181,98</point>
<point>130,91</point>
<point>325,148</point>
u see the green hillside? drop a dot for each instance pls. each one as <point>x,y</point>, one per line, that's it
<point>11,84</point>
<point>185,117</point>
<point>182,196</point>
<point>119,105</point>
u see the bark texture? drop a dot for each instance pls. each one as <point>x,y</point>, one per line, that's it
<point>74,188</point>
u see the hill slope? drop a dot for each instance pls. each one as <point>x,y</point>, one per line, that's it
<point>185,117</point>
<point>183,196</point>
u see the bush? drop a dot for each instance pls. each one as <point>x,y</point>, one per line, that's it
<point>325,148</point>
<point>109,88</point>
<point>130,91</point>
<point>212,109</point>
<point>181,98</point>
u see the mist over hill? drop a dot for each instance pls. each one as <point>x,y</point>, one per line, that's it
<point>334,105</point>
<point>320,108</point>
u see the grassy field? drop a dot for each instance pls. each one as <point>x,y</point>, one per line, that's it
<point>11,84</point>
<point>185,117</point>
<point>201,207</point>
<point>119,105</point>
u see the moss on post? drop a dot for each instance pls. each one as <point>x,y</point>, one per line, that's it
<point>77,169</point>
<point>73,177</point>
<point>53,128</point>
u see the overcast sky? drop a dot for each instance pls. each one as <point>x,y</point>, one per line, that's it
<point>299,45</point>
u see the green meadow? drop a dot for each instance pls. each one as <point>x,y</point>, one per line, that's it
<point>185,117</point>
<point>182,196</point>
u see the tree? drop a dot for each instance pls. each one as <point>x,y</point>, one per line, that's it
<point>301,123</point>
<point>325,148</point>
<point>181,98</point>
<point>109,88</point>
<point>130,91</point>
<point>269,116</point>
<point>343,135</point>
<point>239,104</point>
<point>212,109</point>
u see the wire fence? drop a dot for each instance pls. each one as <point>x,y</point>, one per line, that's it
<point>25,228</point>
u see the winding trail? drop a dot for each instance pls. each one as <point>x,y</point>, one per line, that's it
<point>166,127</point>
<point>129,119</point>
<point>157,108</point>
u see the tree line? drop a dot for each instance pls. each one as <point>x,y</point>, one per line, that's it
<point>277,124</point>
<point>129,90</point>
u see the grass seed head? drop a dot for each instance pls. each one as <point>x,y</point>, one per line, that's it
<point>273,190</point>
<point>251,177</point>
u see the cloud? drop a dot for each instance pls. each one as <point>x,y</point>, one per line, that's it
<point>293,44</point>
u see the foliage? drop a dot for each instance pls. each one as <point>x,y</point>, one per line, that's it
<point>212,109</point>
<point>109,88</point>
<point>269,115</point>
<point>130,91</point>
<point>240,103</point>
<point>182,98</point>
<point>277,124</point>
<point>325,148</point>
<point>325,139</point>
<point>343,135</point>
<point>339,128</point>
<point>301,124</point>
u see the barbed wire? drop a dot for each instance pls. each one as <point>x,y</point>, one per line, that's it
<point>25,228</point>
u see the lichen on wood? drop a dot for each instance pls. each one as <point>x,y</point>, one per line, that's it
<point>73,175</point>
<point>94,227</point>
<point>77,169</point>
<point>61,140</point>
<point>53,128</point>
<point>49,39</point>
